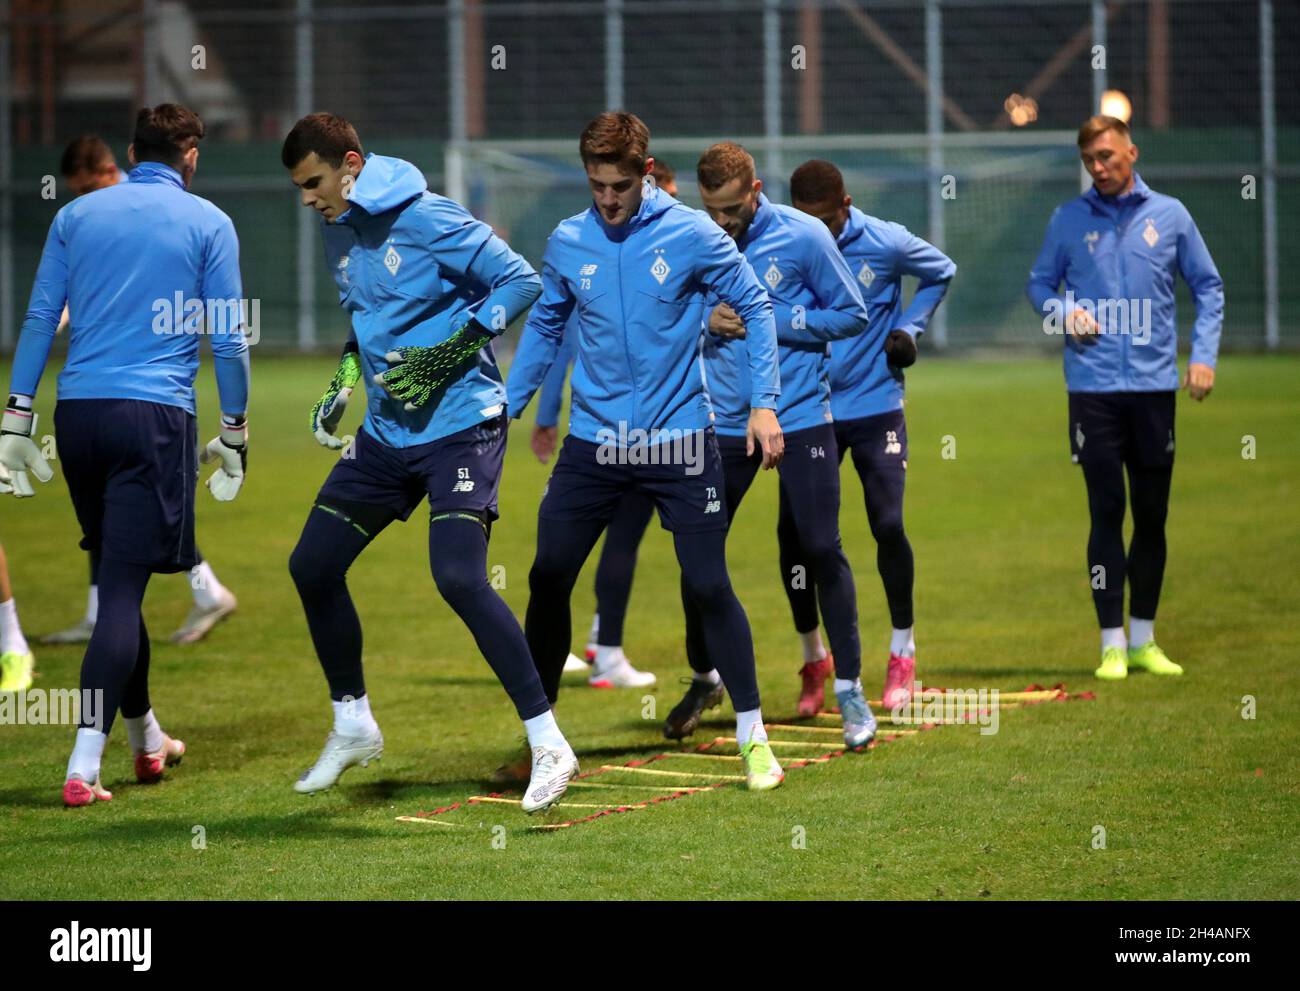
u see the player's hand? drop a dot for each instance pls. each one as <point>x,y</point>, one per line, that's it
<point>328,411</point>
<point>543,442</point>
<point>1198,380</point>
<point>725,322</point>
<point>900,349</point>
<point>19,454</point>
<point>1082,327</point>
<point>230,450</point>
<point>418,372</point>
<point>764,432</point>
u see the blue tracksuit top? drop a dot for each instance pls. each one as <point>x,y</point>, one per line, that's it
<point>638,291</point>
<point>412,268</point>
<point>138,264</point>
<point>551,395</point>
<point>1113,252</point>
<point>880,253</point>
<point>814,299</point>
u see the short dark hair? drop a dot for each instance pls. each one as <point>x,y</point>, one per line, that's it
<point>723,162</point>
<point>663,172</point>
<point>88,153</point>
<point>816,181</point>
<point>165,133</point>
<point>615,138</point>
<point>328,135</point>
<point>1095,127</point>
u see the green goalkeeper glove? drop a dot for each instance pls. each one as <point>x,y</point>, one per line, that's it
<point>419,372</point>
<point>328,411</point>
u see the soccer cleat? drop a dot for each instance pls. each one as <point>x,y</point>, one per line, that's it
<point>339,753</point>
<point>199,623</point>
<point>77,792</point>
<point>1114,665</point>
<point>813,693</point>
<point>149,767</point>
<point>16,671</point>
<point>685,715</point>
<point>898,681</point>
<point>73,634</point>
<point>762,772</point>
<point>576,664</point>
<point>553,767</point>
<point>620,675</point>
<point>1151,658</point>
<point>859,723</point>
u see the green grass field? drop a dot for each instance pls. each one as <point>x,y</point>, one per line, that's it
<point>1196,801</point>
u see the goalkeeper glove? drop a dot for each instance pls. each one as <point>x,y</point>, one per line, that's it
<point>419,372</point>
<point>900,349</point>
<point>328,411</point>
<point>18,453</point>
<point>230,448</point>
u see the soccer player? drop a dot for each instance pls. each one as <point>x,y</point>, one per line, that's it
<point>866,375</point>
<point>815,301</point>
<point>1116,251</point>
<point>427,288</point>
<point>125,417</point>
<point>635,266</point>
<point>610,666</point>
<point>87,165</point>
<point>16,658</point>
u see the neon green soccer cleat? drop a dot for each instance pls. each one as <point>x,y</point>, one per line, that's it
<point>1114,666</point>
<point>762,772</point>
<point>16,671</point>
<point>1151,658</point>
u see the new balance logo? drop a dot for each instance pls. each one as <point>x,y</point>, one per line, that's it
<point>892,445</point>
<point>464,485</point>
<point>587,270</point>
<point>713,506</point>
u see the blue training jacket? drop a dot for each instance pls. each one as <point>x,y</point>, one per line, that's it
<point>1118,256</point>
<point>880,253</point>
<point>551,395</point>
<point>136,263</point>
<point>412,268</point>
<point>814,299</point>
<point>638,290</point>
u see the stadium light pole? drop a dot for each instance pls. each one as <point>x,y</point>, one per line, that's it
<point>614,55</point>
<point>453,158</point>
<point>773,162</point>
<point>304,71</point>
<point>934,146</point>
<point>6,191</point>
<point>149,11</point>
<point>1268,127</point>
<point>1099,74</point>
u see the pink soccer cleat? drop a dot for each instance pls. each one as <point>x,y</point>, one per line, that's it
<point>813,693</point>
<point>149,767</point>
<point>77,792</point>
<point>898,681</point>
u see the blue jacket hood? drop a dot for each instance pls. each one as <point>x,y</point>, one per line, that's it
<point>384,184</point>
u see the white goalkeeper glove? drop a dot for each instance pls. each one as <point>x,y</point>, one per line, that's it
<point>230,451</point>
<point>18,453</point>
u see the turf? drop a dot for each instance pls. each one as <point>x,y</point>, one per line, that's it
<point>1195,800</point>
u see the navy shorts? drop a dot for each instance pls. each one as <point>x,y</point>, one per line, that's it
<point>878,443</point>
<point>1123,427</point>
<point>373,484</point>
<point>809,473</point>
<point>685,482</point>
<point>132,469</point>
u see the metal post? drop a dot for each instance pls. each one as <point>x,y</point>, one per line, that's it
<point>613,54</point>
<point>773,166</point>
<point>7,334</point>
<point>1099,75</point>
<point>454,157</point>
<point>1268,122</point>
<point>152,79</point>
<point>307,254</point>
<point>934,145</point>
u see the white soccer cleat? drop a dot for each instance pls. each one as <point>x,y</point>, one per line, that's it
<point>199,623</point>
<point>576,664</point>
<point>73,634</point>
<point>553,767</point>
<point>339,753</point>
<point>620,675</point>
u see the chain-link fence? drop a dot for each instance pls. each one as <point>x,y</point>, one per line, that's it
<point>954,117</point>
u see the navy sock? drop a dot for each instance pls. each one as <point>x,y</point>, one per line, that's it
<point>562,548</point>
<point>117,657</point>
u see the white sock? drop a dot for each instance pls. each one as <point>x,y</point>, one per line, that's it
<point>901,643</point>
<point>712,677</point>
<point>144,734</point>
<point>608,657</point>
<point>843,684</point>
<point>11,632</point>
<point>92,605</point>
<point>813,648</point>
<point>749,727</point>
<point>544,731</point>
<point>205,586</point>
<point>1113,636</point>
<point>86,754</point>
<point>1141,631</point>
<point>352,717</point>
